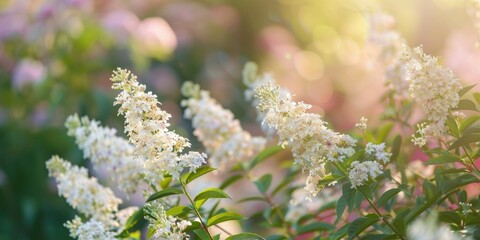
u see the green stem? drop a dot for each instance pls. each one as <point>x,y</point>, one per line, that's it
<point>471,159</point>
<point>373,206</point>
<point>195,209</point>
<point>381,216</point>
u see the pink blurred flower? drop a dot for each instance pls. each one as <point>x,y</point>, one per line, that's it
<point>27,72</point>
<point>155,38</point>
<point>120,24</point>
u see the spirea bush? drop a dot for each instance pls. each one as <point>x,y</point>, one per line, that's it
<point>360,184</point>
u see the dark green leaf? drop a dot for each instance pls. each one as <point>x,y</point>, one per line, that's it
<point>387,196</point>
<point>193,226</point>
<point>230,181</point>
<point>340,233</point>
<point>360,224</point>
<point>262,156</point>
<point>245,236</point>
<point>163,193</point>
<point>132,220</point>
<point>450,217</point>
<point>460,181</point>
<point>202,234</point>
<point>445,157</point>
<point>198,173</point>
<point>223,217</point>
<point>453,127</point>
<point>249,199</point>
<point>211,193</point>
<point>465,140</point>
<point>264,183</point>
<point>341,205</point>
<point>314,227</point>
<point>397,143</point>
<point>399,224</point>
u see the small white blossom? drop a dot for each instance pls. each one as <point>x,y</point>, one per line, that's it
<point>147,127</point>
<point>466,207</point>
<point>163,226</point>
<point>362,125</point>
<point>106,150</point>
<point>378,151</point>
<point>312,142</point>
<point>90,230</point>
<point>224,139</point>
<point>83,193</point>
<point>458,115</point>
<point>361,172</point>
<point>434,87</point>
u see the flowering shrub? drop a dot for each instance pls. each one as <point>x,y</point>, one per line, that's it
<point>373,190</point>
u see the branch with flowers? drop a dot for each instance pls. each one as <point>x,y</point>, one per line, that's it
<point>357,185</point>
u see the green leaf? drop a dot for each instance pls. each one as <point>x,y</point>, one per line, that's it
<point>429,189</point>
<point>360,224</point>
<point>445,157</point>
<point>264,183</point>
<point>468,122</point>
<point>165,182</point>
<point>476,95</point>
<point>314,227</point>
<point>399,224</point>
<point>202,234</point>
<point>211,193</point>
<point>340,233</point>
<point>193,226</point>
<point>387,196</point>
<point>134,218</point>
<point>465,140</point>
<point>465,90</point>
<point>277,237</point>
<point>179,210</point>
<point>341,205</point>
<point>230,181</point>
<point>223,217</point>
<point>460,181</point>
<point>163,193</point>
<point>396,145</point>
<point>262,156</point>
<point>245,236</point>
<point>384,131</point>
<point>450,217</point>
<point>453,127</point>
<point>465,104</point>
<point>198,173</point>
<point>249,199</point>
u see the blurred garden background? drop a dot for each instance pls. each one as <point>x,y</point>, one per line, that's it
<point>56,57</point>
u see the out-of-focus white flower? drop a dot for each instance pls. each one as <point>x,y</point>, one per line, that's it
<point>311,141</point>
<point>458,115</point>
<point>387,43</point>
<point>429,229</point>
<point>147,127</point>
<point>378,151</point>
<point>28,72</point>
<point>224,139</point>
<point>361,172</point>
<point>434,87</point>
<point>252,81</point>
<point>163,226</point>
<point>153,37</point>
<point>107,150</point>
<point>362,125</point>
<point>83,193</point>
<point>121,24</point>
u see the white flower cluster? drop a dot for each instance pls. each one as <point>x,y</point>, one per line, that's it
<point>362,125</point>
<point>94,201</point>
<point>224,139</point>
<point>378,151</point>
<point>434,87</point>
<point>147,127</point>
<point>163,226</point>
<point>311,141</point>
<point>252,81</point>
<point>386,40</point>
<point>362,171</point>
<point>105,149</point>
